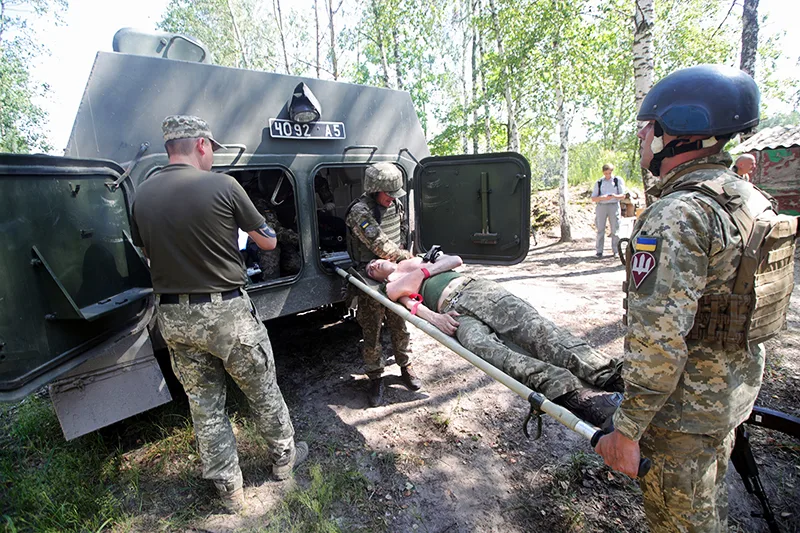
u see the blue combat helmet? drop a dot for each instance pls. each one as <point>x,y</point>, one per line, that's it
<point>711,100</point>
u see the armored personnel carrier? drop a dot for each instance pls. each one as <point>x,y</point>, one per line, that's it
<point>77,306</point>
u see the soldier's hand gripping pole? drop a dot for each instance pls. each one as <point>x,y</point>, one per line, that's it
<point>537,401</point>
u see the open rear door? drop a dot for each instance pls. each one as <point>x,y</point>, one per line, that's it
<point>474,206</point>
<point>71,278</point>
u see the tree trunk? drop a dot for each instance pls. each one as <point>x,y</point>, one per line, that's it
<point>464,96</point>
<point>316,27</point>
<point>513,134</point>
<point>398,68</point>
<point>749,37</point>
<point>237,35</point>
<point>487,120</point>
<point>331,13</point>
<point>276,5</point>
<point>379,41</point>
<point>643,67</point>
<point>475,130</point>
<point>563,147</point>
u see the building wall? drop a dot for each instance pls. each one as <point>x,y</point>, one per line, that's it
<point>778,173</point>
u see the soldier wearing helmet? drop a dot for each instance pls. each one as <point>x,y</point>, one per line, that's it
<point>690,374</point>
<point>377,229</point>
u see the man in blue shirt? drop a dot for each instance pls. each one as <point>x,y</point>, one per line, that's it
<point>607,193</point>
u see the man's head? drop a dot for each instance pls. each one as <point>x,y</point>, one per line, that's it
<point>385,182</point>
<point>379,269</point>
<point>188,139</point>
<point>693,112</point>
<point>608,169</point>
<point>745,164</point>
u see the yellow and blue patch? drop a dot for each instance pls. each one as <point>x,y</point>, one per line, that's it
<point>646,244</point>
<point>364,224</point>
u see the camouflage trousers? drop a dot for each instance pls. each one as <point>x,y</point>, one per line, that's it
<point>509,333</point>
<point>370,316</point>
<point>205,341</point>
<point>685,490</point>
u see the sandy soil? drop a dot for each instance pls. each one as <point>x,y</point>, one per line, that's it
<point>453,458</point>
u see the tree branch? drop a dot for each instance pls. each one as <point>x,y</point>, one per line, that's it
<point>723,20</point>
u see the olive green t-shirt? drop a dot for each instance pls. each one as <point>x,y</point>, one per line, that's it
<point>187,220</point>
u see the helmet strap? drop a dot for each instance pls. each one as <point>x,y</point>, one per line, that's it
<point>676,147</point>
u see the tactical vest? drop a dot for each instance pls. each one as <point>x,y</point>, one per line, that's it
<point>756,308</point>
<point>389,220</point>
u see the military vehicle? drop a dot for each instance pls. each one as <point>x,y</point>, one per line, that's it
<point>77,306</point>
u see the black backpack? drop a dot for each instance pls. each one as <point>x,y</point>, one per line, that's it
<point>616,185</point>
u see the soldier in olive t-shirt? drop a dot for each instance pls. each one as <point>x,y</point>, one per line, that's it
<point>186,219</point>
<point>189,219</point>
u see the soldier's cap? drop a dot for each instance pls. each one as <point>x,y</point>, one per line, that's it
<point>388,174</point>
<point>188,127</point>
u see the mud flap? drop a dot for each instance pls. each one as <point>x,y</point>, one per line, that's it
<point>123,382</point>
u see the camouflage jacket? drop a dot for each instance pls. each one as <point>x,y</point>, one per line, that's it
<point>672,382</point>
<point>362,223</point>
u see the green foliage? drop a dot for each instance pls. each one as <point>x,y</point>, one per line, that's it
<point>212,22</point>
<point>780,119</point>
<point>22,122</point>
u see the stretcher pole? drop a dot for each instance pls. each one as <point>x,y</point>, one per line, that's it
<point>536,400</point>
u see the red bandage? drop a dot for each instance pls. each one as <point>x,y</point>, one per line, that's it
<point>417,300</point>
<point>426,273</point>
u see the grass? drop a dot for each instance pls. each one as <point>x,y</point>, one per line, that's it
<point>52,485</point>
<point>314,509</point>
<point>144,475</point>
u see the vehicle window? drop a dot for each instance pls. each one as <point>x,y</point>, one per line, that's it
<point>335,189</point>
<point>272,192</point>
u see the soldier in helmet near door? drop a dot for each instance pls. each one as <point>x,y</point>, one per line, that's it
<point>377,229</point>
<point>692,367</point>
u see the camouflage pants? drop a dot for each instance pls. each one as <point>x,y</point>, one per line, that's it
<point>206,340</point>
<point>547,359</point>
<point>370,316</point>
<point>685,490</point>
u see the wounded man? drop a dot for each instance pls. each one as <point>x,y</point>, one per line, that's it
<point>507,332</point>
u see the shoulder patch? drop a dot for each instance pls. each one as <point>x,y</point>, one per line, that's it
<point>646,244</point>
<point>364,224</point>
<point>371,231</point>
<point>642,264</point>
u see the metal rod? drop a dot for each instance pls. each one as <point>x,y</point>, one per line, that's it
<point>485,201</point>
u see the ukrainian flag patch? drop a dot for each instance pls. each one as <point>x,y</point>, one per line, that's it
<point>365,225</point>
<point>646,244</point>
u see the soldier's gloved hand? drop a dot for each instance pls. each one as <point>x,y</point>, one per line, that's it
<point>329,208</point>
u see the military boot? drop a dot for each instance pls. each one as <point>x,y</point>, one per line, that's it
<point>410,378</point>
<point>375,393</point>
<point>595,407</point>
<point>286,465</point>
<point>232,499</point>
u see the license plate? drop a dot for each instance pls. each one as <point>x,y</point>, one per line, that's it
<point>286,129</point>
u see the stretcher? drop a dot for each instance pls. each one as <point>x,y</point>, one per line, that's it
<point>538,403</point>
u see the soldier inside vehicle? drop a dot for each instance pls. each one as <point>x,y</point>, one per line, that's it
<point>272,192</point>
<point>336,188</point>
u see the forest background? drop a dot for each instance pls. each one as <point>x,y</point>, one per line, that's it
<point>553,79</point>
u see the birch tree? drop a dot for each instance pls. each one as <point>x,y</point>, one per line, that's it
<point>643,67</point>
<point>332,53</point>
<point>749,37</point>
<point>276,6</point>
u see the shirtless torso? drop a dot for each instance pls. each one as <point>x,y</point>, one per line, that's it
<point>405,278</point>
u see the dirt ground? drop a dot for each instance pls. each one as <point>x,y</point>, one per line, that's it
<point>453,458</point>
